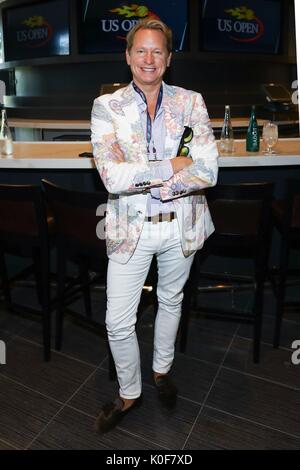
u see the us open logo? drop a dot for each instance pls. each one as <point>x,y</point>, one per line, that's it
<point>128,16</point>
<point>242,24</point>
<point>36,32</point>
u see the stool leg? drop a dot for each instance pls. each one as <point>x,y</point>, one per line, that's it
<point>37,269</point>
<point>46,309</point>
<point>61,281</point>
<point>258,308</point>
<point>281,289</point>
<point>84,279</point>
<point>261,267</point>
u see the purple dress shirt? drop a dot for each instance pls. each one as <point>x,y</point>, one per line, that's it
<point>164,169</point>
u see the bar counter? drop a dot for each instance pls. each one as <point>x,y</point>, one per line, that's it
<point>64,156</point>
<point>75,124</point>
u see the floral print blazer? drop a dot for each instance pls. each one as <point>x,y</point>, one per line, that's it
<point>115,119</point>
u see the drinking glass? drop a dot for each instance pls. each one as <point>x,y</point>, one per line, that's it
<point>270,137</point>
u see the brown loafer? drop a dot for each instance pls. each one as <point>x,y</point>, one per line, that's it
<point>167,391</point>
<point>112,413</point>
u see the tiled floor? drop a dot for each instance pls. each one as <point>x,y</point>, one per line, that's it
<point>225,401</point>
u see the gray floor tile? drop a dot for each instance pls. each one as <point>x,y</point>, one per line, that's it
<point>32,330</point>
<point>22,295</point>
<point>146,321</point>
<point>242,388</point>
<point>97,391</point>
<point>12,323</point>
<point>208,344</point>
<point>73,430</point>
<point>5,335</point>
<point>57,379</point>
<point>168,428</point>
<point>145,325</point>
<point>98,302</point>
<point>217,430</point>
<point>78,341</point>
<point>197,374</point>
<point>207,323</point>
<point>23,413</point>
<point>275,364</point>
<point>186,370</point>
<point>264,402</point>
<point>290,331</point>
<point>235,297</point>
<point>7,446</point>
<point>193,378</point>
<point>82,344</point>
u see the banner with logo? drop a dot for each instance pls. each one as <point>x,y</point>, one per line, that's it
<point>36,30</point>
<point>104,23</point>
<point>241,26</point>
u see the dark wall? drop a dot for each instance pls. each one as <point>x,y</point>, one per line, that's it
<point>221,82</point>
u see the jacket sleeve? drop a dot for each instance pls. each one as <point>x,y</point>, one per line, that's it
<point>118,177</point>
<point>203,149</point>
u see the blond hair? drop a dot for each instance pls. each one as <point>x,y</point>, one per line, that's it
<point>148,23</point>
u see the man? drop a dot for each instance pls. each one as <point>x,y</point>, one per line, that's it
<point>152,206</point>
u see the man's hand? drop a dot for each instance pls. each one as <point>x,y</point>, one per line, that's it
<point>118,152</point>
<point>179,163</point>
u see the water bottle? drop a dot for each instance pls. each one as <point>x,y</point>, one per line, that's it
<point>6,142</point>
<point>252,140</point>
<point>227,140</point>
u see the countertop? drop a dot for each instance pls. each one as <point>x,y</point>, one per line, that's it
<point>76,124</point>
<point>64,155</point>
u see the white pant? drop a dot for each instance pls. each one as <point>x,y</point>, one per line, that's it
<point>124,287</point>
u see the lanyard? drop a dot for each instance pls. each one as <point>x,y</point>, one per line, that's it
<point>149,123</point>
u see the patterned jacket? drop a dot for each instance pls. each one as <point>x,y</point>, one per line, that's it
<point>115,118</point>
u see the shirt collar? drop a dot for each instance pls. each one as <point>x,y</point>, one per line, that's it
<point>142,105</point>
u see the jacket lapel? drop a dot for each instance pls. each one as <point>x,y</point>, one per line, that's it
<point>174,120</point>
<point>130,110</point>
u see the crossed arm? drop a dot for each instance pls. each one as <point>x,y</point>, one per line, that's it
<point>122,172</point>
<point>178,163</point>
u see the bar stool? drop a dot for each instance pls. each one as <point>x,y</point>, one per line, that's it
<point>76,221</point>
<point>286,216</point>
<point>241,214</point>
<point>25,230</point>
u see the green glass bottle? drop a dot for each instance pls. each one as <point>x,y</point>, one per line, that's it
<point>252,140</point>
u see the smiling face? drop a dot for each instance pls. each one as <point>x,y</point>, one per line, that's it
<point>148,57</point>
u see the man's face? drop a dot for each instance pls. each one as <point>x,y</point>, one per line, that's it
<point>149,57</point>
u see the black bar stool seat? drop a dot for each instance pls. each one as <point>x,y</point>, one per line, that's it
<point>26,230</point>
<point>286,217</point>
<point>241,214</point>
<point>79,225</point>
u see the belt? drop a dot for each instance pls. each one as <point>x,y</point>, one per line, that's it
<point>161,217</point>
